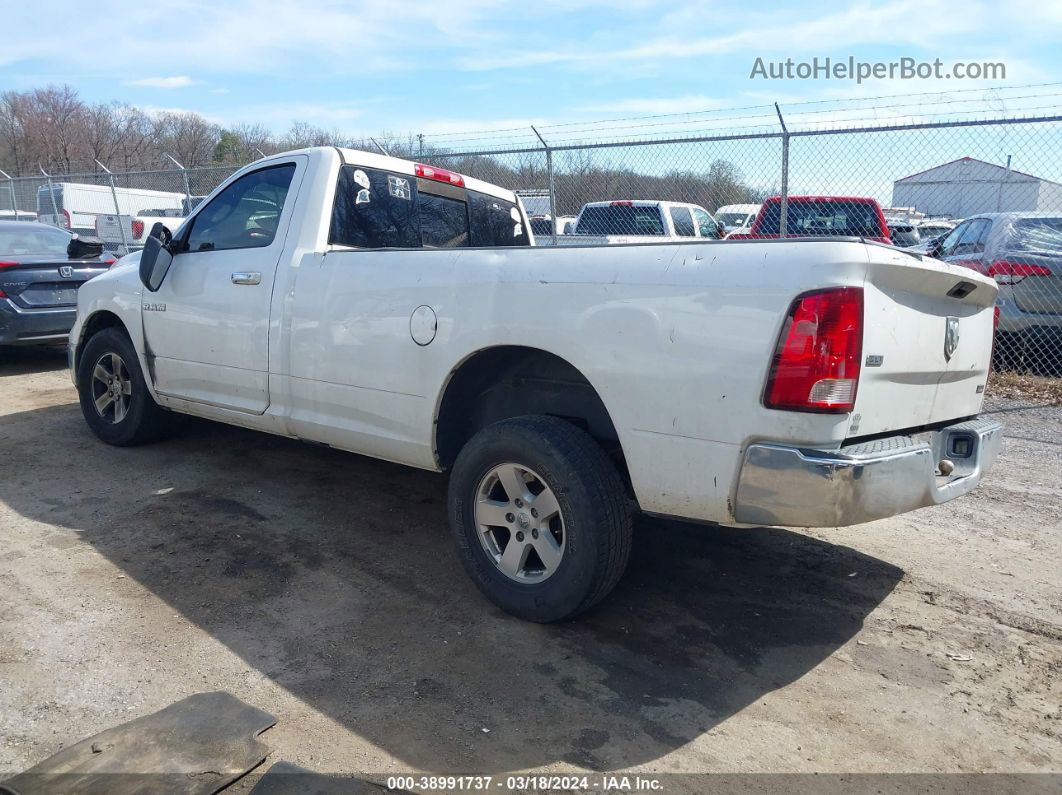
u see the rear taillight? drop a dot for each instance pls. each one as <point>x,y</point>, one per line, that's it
<point>66,219</point>
<point>439,175</point>
<point>9,264</point>
<point>109,261</point>
<point>621,204</point>
<point>3,294</point>
<point>816,363</point>
<point>1013,272</point>
<point>138,229</point>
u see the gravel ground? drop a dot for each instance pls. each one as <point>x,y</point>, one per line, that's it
<point>322,587</point>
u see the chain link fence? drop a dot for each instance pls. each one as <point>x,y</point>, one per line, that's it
<point>985,194</point>
<point>117,208</point>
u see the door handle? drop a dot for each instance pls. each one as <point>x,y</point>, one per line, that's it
<point>246,277</point>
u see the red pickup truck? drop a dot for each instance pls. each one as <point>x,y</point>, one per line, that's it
<point>819,216</point>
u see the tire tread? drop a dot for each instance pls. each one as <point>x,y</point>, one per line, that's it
<point>589,462</point>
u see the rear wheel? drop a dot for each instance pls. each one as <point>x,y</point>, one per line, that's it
<point>115,400</point>
<point>541,517</point>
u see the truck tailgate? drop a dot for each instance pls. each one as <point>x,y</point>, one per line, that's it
<point>927,343</point>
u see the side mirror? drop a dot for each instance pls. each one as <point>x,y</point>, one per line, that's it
<point>156,258</point>
<point>934,248</point>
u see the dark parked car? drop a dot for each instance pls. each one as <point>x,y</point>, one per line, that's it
<point>1023,253</point>
<point>41,268</point>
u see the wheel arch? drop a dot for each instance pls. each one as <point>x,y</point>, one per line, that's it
<point>504,381</point>
<point>96,322</point>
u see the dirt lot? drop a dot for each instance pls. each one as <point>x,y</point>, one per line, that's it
<point>322,587</point>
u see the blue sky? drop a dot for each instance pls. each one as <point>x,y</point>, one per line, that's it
<point>452,65</point>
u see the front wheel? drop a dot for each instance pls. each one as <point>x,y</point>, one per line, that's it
<point>541,517</point>
<point>115,400</point>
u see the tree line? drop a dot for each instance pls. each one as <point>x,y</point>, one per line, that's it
<point>54,129</point>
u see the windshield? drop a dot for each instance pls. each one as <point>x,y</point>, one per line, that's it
<point>620,219</point>
<point>1038,234</point>
<point>732,219</point>
<point>840,218</point>
<point>25,239</point>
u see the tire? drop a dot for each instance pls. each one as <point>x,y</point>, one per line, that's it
<point>134,417</point>
<point>585,517</point>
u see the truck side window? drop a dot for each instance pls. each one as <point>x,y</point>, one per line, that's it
<point>373,209</point>
<point>972,240</point>
<point>706,224</point>
<point>245,214</point>
<point>683,221</point>
<point>443,221</point>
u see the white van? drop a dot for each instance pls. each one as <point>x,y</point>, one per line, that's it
<point>736,216</point>
<point>75,205</point>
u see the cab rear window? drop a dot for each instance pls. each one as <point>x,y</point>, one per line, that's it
<point>368,214</point>
<point>443,221</point>
<point>495,222</point>
<point>620,219</point>
<point>835,218</point>
<point>380,209</point>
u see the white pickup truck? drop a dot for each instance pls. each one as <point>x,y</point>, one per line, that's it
<point>395,310</point>
<point>131,231</point>
<point>637,221</point>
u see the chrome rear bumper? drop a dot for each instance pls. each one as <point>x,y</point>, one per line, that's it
<point>799,487</point>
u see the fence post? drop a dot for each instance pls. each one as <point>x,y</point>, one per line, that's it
<point>11,187</point>
<point>783,221</point>
<point>552,187</point>
<point>999,196</point>
<point>378,146</point>
<point>51,193</point>
<point>187,184</point>
<point>117,207</point>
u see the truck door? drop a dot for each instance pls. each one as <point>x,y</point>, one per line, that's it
<point>206,329</point>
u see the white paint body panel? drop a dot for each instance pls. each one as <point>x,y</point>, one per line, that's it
<point>676,339</point>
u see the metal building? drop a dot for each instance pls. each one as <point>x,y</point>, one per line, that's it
<point>967,186</point>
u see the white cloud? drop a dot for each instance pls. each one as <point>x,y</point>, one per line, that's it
<point>155,110</point>
<point>177,81</point>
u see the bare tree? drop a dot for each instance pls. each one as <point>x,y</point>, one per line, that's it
<point>188,137</point>
<point>12,131</point>
<point>57,118</point>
